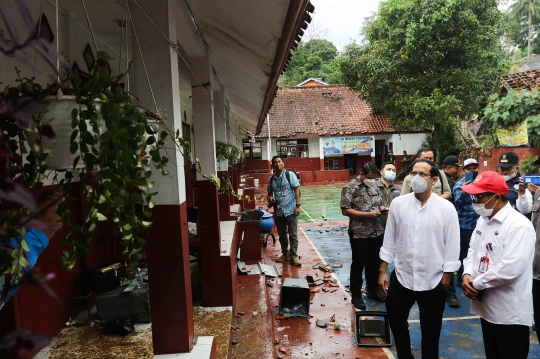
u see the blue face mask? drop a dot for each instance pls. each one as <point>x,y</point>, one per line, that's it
<point>390,176</point>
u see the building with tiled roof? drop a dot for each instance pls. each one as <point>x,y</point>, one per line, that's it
<point>317,128</point>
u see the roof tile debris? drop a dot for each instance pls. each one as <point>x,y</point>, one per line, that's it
<point>322,110</point>
<point>521,80</point>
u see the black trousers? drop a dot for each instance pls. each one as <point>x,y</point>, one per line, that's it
<point>464,238</point>
<point>536,305</point>
<point>505,341</point>
<point>431,304</point>
<point>365,253</point>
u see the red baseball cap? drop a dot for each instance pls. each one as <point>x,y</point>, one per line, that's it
<point>487,182</point>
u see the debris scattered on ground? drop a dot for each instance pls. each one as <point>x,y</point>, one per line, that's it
<point>337,265</point>
<point>254,314</point>
<point>316,290</point>
<point>281,317</point>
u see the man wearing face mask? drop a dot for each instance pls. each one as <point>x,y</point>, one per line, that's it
<point>497,271</point>
<point>422,239</point>
<point>508,165</point>
<point>466,214</point>
<point>451,167</point>
<point>388,189</point>
<point>362,202</point>
<point>440,188</point>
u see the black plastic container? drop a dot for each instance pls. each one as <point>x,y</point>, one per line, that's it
<point>295,297</point>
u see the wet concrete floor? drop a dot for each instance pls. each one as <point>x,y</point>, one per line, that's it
<point>323,237</point>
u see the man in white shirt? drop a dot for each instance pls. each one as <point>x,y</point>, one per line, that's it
<point>497,272</point>
<point>422,239</point>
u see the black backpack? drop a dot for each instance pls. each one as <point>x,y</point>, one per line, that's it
<point>288,175</point>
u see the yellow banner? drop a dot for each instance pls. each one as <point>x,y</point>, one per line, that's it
<point>514,136</point>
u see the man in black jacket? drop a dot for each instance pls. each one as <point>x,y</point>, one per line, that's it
<point>508,165</point>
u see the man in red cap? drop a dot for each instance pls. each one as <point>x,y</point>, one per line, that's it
<point>497,273</point>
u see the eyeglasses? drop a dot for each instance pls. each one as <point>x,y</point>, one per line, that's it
<point>421,174</point>
<point>476,197</point>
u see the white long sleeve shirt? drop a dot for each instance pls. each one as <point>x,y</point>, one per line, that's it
<point>422,241</point>
<point>508,240</point>
<point>524,202</point>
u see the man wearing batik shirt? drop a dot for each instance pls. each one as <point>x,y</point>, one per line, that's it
<point>284,191</point>
<point>362,202</point>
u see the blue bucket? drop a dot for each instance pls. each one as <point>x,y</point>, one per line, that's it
<point>267,222</point>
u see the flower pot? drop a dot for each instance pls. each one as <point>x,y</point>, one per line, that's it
<point>60,109</point>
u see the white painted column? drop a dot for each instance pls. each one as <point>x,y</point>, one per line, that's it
<point>162,66</point>
<point>203,114</point>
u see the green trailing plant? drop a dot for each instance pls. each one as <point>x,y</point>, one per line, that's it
<point>228,152</point>
<point>527,166</point>
<point>504,111</point>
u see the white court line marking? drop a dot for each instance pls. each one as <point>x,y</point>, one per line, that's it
<point>448,319</point>
<point>307,214</point>
<point>385,350</point>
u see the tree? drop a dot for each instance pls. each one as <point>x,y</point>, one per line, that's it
<point>427,62</point>
<point>315,58</point>
<point>528,8</point>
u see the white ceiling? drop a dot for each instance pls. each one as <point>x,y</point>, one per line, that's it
<point>243,36</point>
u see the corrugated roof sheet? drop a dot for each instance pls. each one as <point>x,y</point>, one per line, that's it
<point>322,110</point>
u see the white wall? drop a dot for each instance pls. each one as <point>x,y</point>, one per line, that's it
<point>409,142</point>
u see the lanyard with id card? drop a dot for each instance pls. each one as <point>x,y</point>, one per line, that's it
<point>483,266</point>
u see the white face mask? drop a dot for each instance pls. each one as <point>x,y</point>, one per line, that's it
<point>418,184</point>
<point>390,176</point>
<point>481,210</point>
<point>369,181</point>
<point>509,177</point>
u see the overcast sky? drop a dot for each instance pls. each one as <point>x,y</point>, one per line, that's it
<point>343,18</point>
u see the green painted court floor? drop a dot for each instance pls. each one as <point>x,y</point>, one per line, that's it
<point>321,204</point>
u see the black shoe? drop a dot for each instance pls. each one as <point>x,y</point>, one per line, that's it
<point>358,303</point>
<point>452,300</point>
<point>378,296</point>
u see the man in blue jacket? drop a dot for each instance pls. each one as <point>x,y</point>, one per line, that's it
<point>466,215</point>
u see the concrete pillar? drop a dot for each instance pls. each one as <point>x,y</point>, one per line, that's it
<point>167,240</point>
<point>203,114</point>
<point>204,124</point>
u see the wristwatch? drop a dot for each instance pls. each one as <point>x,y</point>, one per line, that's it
<point>298,205</point>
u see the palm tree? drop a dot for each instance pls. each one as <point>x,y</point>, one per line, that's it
<point>525,8</point>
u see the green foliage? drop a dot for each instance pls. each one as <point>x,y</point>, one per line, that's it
<point>317,59</point>
<point>228,152</point>
<point>427,61</point>
<point>525,12</point>
<point>517,29</point>
<point>504,111</point>
<point>443,140</point>
<point>527,166</point>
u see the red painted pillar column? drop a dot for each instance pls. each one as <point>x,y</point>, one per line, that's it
<point>209,237</point>
<point>169,274</point>
<point>167,240</point>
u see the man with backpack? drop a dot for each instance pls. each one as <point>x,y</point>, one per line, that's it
<point>284,195</point>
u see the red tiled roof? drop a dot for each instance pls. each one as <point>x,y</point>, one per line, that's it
<point>322,110</point>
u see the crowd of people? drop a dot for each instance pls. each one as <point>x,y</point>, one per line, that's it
<point>482,227</point>
<point>479,232</point>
